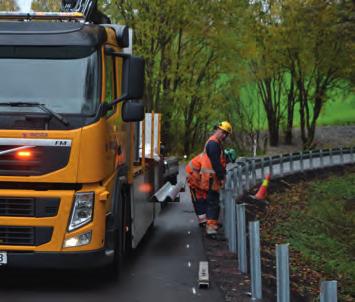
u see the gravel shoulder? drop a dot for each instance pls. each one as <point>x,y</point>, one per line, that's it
<point>326,137</point>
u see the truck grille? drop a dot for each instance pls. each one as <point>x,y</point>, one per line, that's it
<point>42,159</point>
<point>34,236</point>
<point>29,207</point>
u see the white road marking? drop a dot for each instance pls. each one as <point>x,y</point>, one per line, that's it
<point>189,264</point>
<point>194,291</point>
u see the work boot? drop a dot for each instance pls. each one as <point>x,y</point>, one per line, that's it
<point>202,220</point>
<point>211,228</point>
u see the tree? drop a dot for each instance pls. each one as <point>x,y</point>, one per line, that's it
<point>303,50</point>
<point>320,56</point>
<point>266,65</point>
<point>177,40</point>
<point>8,5</point>
<point>46,5</point>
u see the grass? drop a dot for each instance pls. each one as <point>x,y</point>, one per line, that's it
<point>338,110</point>
<point>324,230</point>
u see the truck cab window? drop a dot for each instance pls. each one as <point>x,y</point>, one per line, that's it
<point>64,85</point>
<point>110,91</point>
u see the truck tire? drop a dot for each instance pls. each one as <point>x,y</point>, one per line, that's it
<point>118,231</point>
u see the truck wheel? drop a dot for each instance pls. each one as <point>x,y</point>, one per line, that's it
<point>119,238</point>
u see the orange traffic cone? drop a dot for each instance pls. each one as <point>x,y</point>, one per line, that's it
<point>261,194</point>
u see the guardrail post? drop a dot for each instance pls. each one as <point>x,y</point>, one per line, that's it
<point>241,240</point>
<point>291,162</point>
<point>331,156</point>
<point>228,196</point>
<point>262,168</point>
<point>311,159</point>
<point>271,171</point>
<point>247,176</point>
<point>352,154</point>
<point>321,158</point>
<point>255,262</point>
<point>341,155</point>
<point>235,182</point>
<point>253,172</point>
<point>241,182</point>
<point>236,179</point>
<point>282,273</point>
<point>328,291</point>
<point>232,227</point>
<point>281,165</point>
<point>301,161</point>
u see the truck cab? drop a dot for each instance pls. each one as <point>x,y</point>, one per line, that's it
<point>73,193</point>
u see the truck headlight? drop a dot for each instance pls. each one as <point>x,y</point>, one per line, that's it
<point>78,240</point>
<point>82,211</point>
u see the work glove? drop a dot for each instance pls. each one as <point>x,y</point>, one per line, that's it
<point>231,155</point>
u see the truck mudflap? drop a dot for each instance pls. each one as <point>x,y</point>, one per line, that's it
<point>58,260</point>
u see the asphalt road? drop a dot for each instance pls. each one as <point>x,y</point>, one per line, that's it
<point>164,268</point>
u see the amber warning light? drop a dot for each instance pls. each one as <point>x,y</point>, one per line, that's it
<point>24,154</point>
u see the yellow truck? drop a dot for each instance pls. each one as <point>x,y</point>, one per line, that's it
<point>74,191</point>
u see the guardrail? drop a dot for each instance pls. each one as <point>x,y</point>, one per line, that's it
<point>245,174</point>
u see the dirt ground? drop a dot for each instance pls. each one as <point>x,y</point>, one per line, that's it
<point>326,137</point>
<point>223,267</point>
<point>223,264</point>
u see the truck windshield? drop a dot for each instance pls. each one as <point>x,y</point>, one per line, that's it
<point>68,86</point>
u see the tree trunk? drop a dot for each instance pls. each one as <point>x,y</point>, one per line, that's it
<point>274,135</point>
<point>290,111</point>
<point>265,91</point>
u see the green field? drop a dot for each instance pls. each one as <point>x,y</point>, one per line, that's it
<point>339,109</point>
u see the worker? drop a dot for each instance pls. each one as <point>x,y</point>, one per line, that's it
<point>198,196</point>
<point>213,171</point>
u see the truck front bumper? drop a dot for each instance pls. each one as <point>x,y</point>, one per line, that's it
<point>58,260</point>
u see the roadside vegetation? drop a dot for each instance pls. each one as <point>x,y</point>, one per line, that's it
<point>317,218</point>
<point>268,66</point>
<point>295,56</point>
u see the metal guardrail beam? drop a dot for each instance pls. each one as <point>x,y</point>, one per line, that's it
<point>296,162</point>
<point>244,174</point>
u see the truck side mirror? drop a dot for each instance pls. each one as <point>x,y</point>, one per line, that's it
<point>132,111</point>
<point>132,87</point>
<point>133,78</point>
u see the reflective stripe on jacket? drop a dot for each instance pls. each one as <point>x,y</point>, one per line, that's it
<point>209,178</point>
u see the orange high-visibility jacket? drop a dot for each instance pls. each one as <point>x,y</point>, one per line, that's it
<point>209,178</point>
<point>193,172</point>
